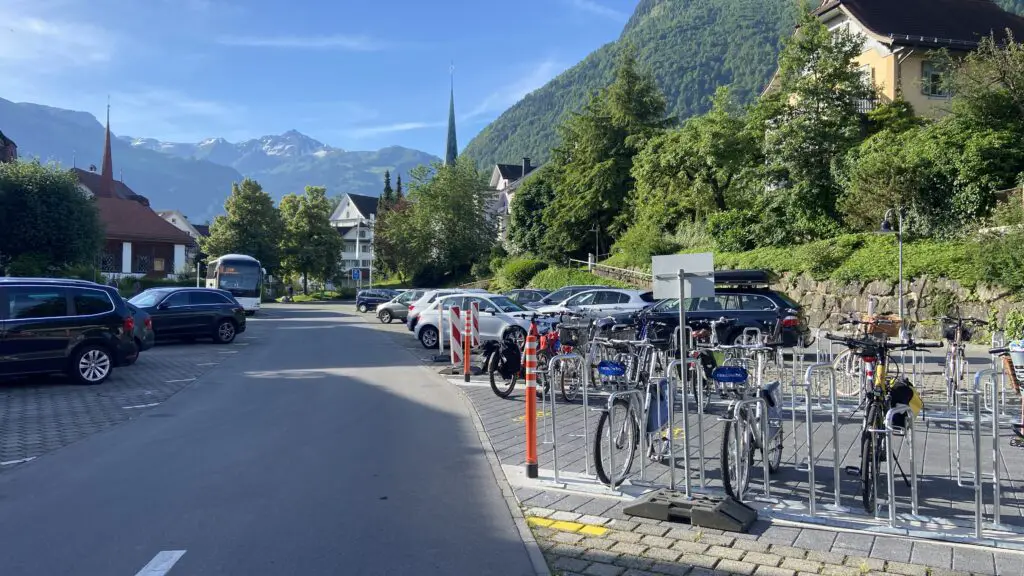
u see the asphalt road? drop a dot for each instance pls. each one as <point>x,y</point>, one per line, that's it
<point>323,450</point>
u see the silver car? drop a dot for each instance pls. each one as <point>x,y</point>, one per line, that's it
<point>398,307</point>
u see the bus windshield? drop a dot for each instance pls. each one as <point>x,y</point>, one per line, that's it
<point>240,278</point>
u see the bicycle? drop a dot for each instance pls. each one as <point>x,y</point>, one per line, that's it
<point>1010,369</point>
<point>634,380</point>
<point>503,360</point>
<point>957,331</point>
<point>882,393</point>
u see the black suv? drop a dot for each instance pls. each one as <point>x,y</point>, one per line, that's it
<point>188,313</point>
<point>742,296</point>
<point>51,325</point>
<point>368,300</point>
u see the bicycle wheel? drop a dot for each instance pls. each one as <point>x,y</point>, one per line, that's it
<point>501,386</point>
<point>625,436</point>
<point>569,384</point>
<point>775,452</point>
<point>869,461</point>
<point>736,472</point>
<point>543,378</point>
<point>848,365</point>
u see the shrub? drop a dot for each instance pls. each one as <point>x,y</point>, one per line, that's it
<point>555,278</point>
<point>1014,327</point>
<point>517,273</point>
<point>732,230</point>
<point>643,240</point>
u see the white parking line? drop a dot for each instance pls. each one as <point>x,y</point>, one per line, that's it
<point>208,364</point>
<point>22,461</point>
<point>161,563</point>
<point>182,380</point>
<point>140,406</point>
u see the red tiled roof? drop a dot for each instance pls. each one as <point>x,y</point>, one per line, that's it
<point>130,220</point>
<point>94,182</point>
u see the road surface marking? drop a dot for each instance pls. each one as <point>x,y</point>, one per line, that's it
<point>161,563</point>
<point>22,461</point>
<point>207,364</point>
<point>140,406</point>
<point>182,380</point>
<point>230,352</point>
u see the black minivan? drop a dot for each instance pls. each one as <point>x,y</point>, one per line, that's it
<point>76,327</point>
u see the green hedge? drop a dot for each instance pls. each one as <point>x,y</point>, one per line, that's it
<point>555,278</point>
<point>517,273</point>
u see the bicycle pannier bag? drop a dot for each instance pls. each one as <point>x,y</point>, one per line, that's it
<point>657,415</point>
<point>511,359</point>
<point>902,393</point>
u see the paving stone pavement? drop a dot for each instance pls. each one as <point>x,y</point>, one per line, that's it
<point>38,415</point>
<point>585,535</point>
<point>575,543</point>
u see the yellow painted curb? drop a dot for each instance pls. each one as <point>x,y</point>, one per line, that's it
<point>535,521</point>
<point>588,529</point>
<point>593,530</point>
<point>566,526</point>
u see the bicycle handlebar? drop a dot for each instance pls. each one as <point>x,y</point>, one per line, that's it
<point>857,343</point>
<point>999,351</point>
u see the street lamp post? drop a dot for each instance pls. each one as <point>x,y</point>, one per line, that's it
<point>887,228</point>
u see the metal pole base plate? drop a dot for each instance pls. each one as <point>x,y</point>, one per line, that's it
<point>707,511</point>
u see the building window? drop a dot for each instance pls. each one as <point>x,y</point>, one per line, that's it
<point>142,264</point>
<point>933,80</point>
<point>108,263</point>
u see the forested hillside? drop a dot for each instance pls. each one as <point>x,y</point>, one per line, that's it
<point>691,47</point>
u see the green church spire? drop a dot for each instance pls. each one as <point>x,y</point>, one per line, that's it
<point>452,147</point>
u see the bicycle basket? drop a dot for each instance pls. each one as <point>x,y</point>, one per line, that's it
<point>730,374</point>
<point>882,325</point>
<point>611,369</point>
<point>949,332</point>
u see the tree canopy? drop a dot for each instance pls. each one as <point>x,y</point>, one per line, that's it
<point>252,226</point>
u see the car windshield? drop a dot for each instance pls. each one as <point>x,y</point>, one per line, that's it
<point>148,298</point>
<point>506,305</point>
<point>559,296</point>
<point>669,305</point>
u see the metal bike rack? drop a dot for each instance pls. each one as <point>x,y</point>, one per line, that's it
<point>557,362</point>
<point>611,427</point>
<point>827,368</point>
<point>976,482</point>
<point>762,414</point>
<point>890,431</point>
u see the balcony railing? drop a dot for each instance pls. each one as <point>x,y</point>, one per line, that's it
<point>866,105</point>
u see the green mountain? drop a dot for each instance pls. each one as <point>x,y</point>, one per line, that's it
<point>691,47</point>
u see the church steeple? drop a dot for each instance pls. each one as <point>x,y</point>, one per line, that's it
<point>107,171</point>
<point>452,146</point>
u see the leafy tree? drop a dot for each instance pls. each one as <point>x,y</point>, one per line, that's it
<point>395,244</point>
<point>988,84</point>
<point>810,121</point>
<point>596,158</point>
<point>46,224</point>
<point>526,227</point>
<point>252,226</point>
<point>310,246</point>
<point>696,169</point>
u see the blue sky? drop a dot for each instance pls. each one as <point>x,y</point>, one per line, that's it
<point>354,74</point>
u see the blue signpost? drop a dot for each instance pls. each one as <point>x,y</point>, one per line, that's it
<point>356,273</point>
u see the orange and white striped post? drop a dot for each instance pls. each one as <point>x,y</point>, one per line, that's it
<point>456,337</point>
<point>475,307</point>
<point>530,363</point>
<point>467,341</point>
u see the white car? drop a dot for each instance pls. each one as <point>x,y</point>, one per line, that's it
<point>427,299</point>
<point>602,300</point>
<point>500,318</point>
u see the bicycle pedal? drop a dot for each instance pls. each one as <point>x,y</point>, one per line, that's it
<point>853,471</point>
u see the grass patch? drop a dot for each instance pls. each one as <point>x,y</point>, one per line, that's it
<point>323,296</point>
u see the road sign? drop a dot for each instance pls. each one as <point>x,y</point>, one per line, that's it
<point>699,270</point>
<point>356,273</point>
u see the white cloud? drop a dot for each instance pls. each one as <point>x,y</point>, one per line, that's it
<point>371,131</point>
<point>171,115</point>
<point>34,43</point>
<point>509,94</point>
<point>598,9</point>
<point>334,42</point>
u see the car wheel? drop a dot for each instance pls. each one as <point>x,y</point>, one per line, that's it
<point>90,364</point>
<point>517,336</point>
<point>385,316</point>
<point>428,337</point>
<point>362,308</point>
<point>225,332</point>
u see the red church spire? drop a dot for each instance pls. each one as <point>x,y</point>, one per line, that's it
<point>107,172</point>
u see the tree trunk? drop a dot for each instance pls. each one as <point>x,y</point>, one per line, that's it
<point>305,283</point>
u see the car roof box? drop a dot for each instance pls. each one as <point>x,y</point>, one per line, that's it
<point>742,278</point>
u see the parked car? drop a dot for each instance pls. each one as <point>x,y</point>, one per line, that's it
<point>48,325</point>
<point>145,338</point>
<point>398,307</point>
<point>524,296</point>
<point>427,298</point>
<point>743,296</point>
<point>500,318</point>
<point>560,295</point>
<point>602,300</point>
<point>188,313</point>
<point>367,300</point>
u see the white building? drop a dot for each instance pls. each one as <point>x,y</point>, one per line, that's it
<point>354,219</point>
<point>196,231</point>
<point>505,179</point>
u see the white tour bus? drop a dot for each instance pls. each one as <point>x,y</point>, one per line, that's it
<point>240,275</point>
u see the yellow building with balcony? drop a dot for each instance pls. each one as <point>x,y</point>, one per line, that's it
<point>900,37</point>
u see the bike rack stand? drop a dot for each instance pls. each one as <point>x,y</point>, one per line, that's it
<point>611,427</point>
<point>890,431</point>
<point>557,362</point>
<point>837,497</point>
<point>762,414</point>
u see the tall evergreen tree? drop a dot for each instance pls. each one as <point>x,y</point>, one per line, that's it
<point>398,190</point>
<point>387,198</point>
